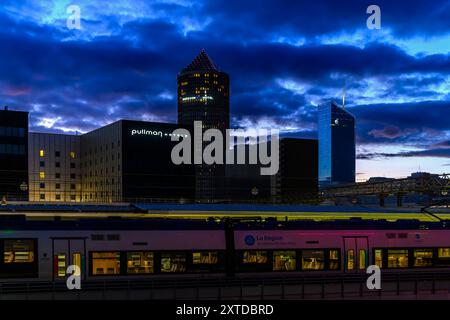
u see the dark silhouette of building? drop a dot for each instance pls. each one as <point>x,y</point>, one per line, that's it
<point>244,182</point>
<point>297,177</point>
<point>203,95</point>
<point>336,128</point>
<point>13,155</point>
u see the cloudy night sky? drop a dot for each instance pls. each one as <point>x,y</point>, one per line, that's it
<point>283,58</point>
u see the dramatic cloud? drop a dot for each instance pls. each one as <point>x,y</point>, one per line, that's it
<point>283,57</point>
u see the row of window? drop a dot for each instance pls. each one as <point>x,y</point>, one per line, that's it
<point>20,252</point>
<point>12,148</point>
<point>72,154</point>
<point>94,151</point>
<point>12,132</point>
<point>73,197</point>
<point>42,175</point>
<point>410,258</point>
<point>57,164</point>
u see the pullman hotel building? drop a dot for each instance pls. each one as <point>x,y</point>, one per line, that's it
<point>125,161</point>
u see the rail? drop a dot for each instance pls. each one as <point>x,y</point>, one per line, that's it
<point>263,287</point>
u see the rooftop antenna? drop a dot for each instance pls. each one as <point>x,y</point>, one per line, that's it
<point>343,96</point>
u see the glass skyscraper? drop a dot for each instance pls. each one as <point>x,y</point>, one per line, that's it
<point>336,128</point>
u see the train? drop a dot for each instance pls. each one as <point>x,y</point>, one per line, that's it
<point>34,250</point>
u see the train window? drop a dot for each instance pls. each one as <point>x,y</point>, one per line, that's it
<point>444,253</point>
<point>397,258</point>
<point>76,260</point>
<point>350,259</point>
<point>378,253</point>
<point>210,257</point>
<point>313,259</point>
<point>105,263</point>
<point>423,257</point>
<point>139,262</point>
<point>18,251</point>
<point>362,259</point>
<point>334,259</point>
<point>284,260</point>
<point>60,264</point>
<point>173,262</point>
<point>255,257</point>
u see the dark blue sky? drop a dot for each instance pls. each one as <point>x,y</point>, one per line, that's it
<point>283,57</point>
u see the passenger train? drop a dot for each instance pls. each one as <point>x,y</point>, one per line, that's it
<point>112,249</point>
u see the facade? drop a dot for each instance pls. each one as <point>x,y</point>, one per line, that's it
<point>297,177</point>
<point>54,167</point>
<point>126,161</point>
<point>336,128</point>
<point>203,95</point>
<point>244,182</point>
<point>13,155</point>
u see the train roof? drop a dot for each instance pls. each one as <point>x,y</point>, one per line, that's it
<point>19,222</point>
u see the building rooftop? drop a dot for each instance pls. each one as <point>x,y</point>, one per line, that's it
<point>202,62</point>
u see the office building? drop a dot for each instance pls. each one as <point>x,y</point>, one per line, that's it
<point>297,177</point>
<point>336,131</point>
<point>54,167</point>
<point>127,161</point>
<point>203,95</point>
<point>131,161</point>
<point>244,182</point>
<point>13,155</point>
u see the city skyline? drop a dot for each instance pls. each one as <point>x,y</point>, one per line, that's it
<point>125,66</point>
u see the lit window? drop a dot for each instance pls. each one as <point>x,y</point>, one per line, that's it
<point>350,259</point>
<point>398,258</point>
<point>173,262</point>
<point>42,175</point>
<point>60,265</point>
<point>444,253</point>
<point>423,257</point>
<point>72,155</point>
<point>255,257</point>
<point>313,259</point>
<point>379,257</point>
<point>105,263</point>
<point>204,257</point>
<point>18,251</point>
<point>284,260</point>
<point>41,153</point>
<point>76,260</point>
<point>139,262</point>
<point>362,259</point>
<point>334,259</point>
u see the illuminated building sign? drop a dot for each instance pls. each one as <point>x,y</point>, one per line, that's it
<point>154,133</point>
<point>197,98</point>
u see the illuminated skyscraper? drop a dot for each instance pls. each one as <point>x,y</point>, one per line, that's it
<point>336,128</point>
<point>203,95</point>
